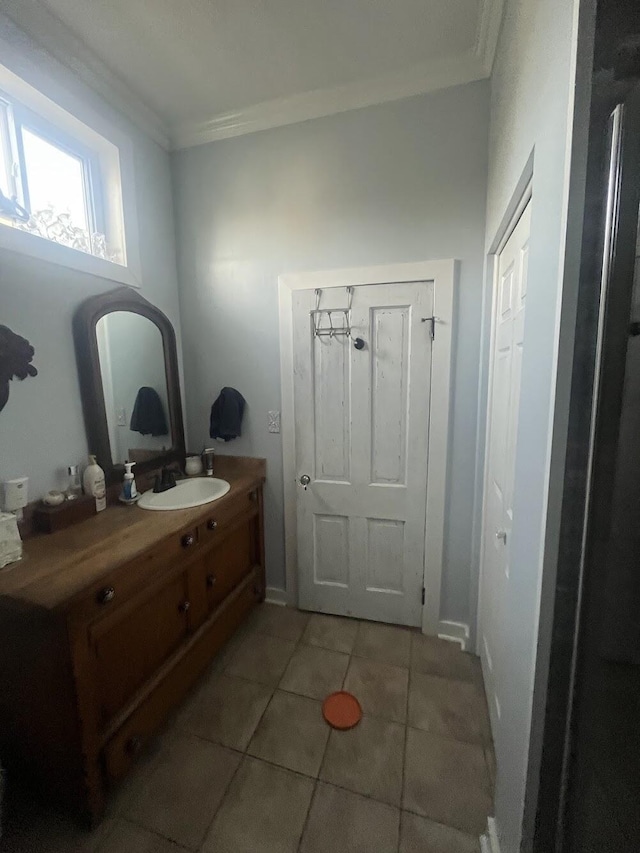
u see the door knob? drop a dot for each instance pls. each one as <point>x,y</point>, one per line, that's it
<point>501,536</point>
<point>305,480</point>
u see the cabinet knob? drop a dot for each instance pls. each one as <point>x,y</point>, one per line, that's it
<point>253,496</point>
<point>188,540</point>
<point>106,595</point>
<point>184,606</point>
<point>211,579</point>
<point>134,745</point>
<point>212,524</point>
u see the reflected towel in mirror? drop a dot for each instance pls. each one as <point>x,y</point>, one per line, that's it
<point>148,417</point>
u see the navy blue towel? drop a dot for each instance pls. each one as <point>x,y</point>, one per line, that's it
<point>148,417</point>
<point>226,415</point>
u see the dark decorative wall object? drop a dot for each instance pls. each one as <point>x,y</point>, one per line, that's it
<point>15,361</point>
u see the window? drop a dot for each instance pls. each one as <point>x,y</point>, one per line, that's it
<point>67,178</point>
<point>51,182</point>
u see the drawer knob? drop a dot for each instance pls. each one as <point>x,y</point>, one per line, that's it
<point>134,745</point>
<point>184,606</point>
<point>212,524</point>
<point>188,540</point>
<point>106,595</point>
<point>253,496</point>
<point>211,579</point>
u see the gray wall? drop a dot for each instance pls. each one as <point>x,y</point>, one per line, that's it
<point>532,107</point>
<point>42,428</point>
<point>400,182</point>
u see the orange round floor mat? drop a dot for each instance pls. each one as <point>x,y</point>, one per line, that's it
<point>342,710</point>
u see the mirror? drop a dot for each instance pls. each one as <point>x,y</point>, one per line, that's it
<point>134,385</point>
<point>128,369</point>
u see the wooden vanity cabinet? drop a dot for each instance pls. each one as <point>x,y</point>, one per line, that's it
<point>101,671</point>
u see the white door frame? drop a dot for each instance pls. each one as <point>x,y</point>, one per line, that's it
<point>443,274</point>
<point>501,240</point>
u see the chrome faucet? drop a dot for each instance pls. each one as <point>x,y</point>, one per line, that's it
<point>207,460</point>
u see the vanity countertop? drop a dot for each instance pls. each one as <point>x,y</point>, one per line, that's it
<point>59,566</point>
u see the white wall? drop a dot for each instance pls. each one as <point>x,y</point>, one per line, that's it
<point>399,182</point>
<point>42,428</point>
<point>532,106</point>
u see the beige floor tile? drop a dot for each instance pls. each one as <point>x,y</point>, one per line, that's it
<point>276,621</point>
<point>432,656</point>
<point>331,632</point>
<point>314,672</point>
<point>181,790</point>
<point>448,707</point>
<point>384,643</point>
<point>447,781</point>
<point>264,810</point>
<point>127,838</point>
<point>420,835</point>
<point>227,711</point>
<point>367,759</point>
<point>380,688</point>
<point>292,733</point>
<point>261,658</point>
<point>342,821</point>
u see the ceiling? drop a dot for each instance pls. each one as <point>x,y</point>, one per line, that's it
<point>209,69</point>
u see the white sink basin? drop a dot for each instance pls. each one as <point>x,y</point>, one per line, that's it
<point>186,494</point>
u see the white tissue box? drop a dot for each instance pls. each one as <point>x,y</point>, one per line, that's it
<point>10,541</point>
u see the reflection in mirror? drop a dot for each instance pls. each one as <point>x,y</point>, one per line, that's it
<point>134,381</point>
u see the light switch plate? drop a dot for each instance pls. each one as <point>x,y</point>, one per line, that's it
<point>274,421</point>
<point>121,417</point>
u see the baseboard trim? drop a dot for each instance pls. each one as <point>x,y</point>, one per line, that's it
<point>456,632</point>
<point>273,595</point>
<point>489,842</point>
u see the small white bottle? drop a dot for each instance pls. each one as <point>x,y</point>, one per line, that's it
<point>129,492</point>
<point>94,483</point>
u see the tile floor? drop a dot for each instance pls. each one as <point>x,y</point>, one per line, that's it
<point>248,765</point>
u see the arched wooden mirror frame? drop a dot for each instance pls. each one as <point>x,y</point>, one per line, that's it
<point>93,401</point>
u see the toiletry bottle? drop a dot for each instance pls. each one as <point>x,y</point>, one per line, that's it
<point>129,491</point>
<point>94,485</point>
<point>74,488</point>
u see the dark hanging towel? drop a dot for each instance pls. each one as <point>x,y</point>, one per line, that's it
<point>148,417</point>
<point>226,415</point>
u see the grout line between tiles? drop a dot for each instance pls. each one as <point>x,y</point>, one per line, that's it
<point>404,750</point>
<point>306,819</point>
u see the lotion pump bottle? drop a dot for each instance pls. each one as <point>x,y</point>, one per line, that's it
<point>94,485</point>
<point>129,491</point>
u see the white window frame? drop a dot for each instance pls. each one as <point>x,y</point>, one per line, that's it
<point>110,158</point>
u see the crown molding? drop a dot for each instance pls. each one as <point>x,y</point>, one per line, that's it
<point>46,30</point>
<point>422,78</point>
<point>40,24</point>
<point>428,76</point>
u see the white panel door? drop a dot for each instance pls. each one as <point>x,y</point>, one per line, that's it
<point>504,401</point>
<point>362,429</point>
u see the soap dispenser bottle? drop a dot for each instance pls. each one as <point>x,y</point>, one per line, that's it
<point>129,494</point>
<point>94,484</point>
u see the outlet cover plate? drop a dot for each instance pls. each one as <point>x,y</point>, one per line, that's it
<point>274,422</point>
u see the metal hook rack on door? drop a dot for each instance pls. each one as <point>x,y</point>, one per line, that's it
<point>334,331</point>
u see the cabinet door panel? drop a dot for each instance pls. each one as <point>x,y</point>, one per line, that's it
<point>220,570</point>
<point>130,649</point>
